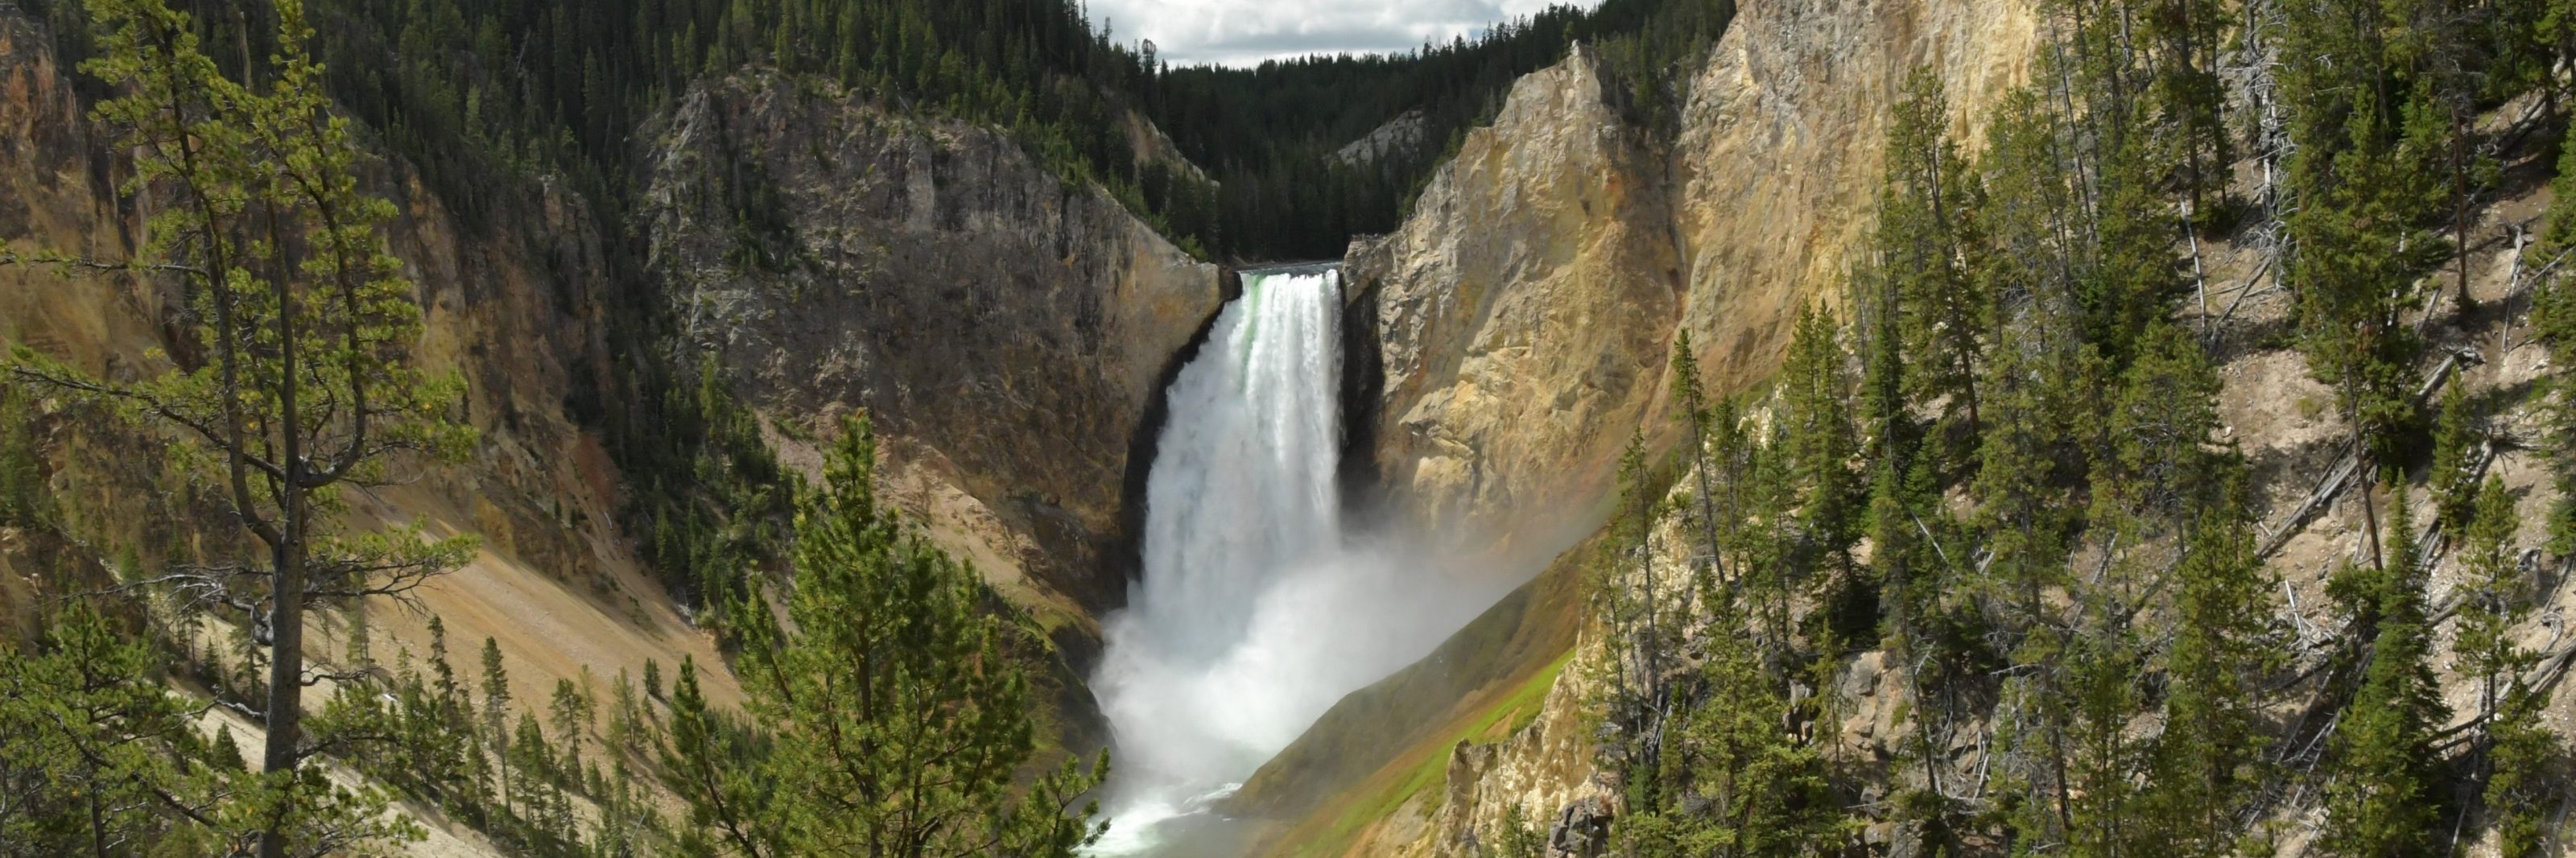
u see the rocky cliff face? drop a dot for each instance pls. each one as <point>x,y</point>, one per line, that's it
<point>1545,770</point>
<point>53,190</point>
<point>1522,311</point>
<point>1008,331</point>
<point>1777,165</point>
<point>1770,189</point>
<point>1527,305</point>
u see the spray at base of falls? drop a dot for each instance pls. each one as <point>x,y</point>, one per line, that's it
<point>1257,609</point>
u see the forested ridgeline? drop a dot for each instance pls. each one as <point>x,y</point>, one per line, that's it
<point>466,90</point>
<point>1992,568</point>
<point>1273,136</point>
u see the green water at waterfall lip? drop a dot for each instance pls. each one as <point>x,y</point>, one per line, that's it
<point>1253,279</point>
<point>1269,269</point>
<point>1251,330</point>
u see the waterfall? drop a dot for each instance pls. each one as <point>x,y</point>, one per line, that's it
<point>1242,483</point>
<point>1257,609</point>
<point>1215,664</point>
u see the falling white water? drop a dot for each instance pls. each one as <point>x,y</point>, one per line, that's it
<point>1255,613</point>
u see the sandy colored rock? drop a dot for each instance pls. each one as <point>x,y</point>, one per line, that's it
<point>1523,312</point>
<point>1527,307</point>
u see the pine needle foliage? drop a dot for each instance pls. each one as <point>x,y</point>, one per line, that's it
<point>886,720</point>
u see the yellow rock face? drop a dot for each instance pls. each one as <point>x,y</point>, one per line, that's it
<point>1527,307</point>
<point>1523,312</point>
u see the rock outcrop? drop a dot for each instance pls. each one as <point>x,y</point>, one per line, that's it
<point>1522,311</point>
<point>1008,331</point>
<point>1546,769</point>
<point>1527,305</point>
<point>1777,165</point>
<point>1399,136</point>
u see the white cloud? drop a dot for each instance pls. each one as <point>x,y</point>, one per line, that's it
<point>1242,32</point>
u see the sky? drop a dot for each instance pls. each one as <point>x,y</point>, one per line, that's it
<point>1245,32</point>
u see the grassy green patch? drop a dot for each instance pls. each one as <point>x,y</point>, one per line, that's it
<point>1426,766</point>
<point>1523,705</point>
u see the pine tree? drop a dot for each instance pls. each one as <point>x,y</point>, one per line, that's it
<point>92,750</point>
<point>2355,245</point>
<point>536,780</point>
<point>2432,44</point>
<point>307,325</point>
<point>97,757</point>
<point>2383,798</point>
<point>22,489</point>
<point>496,715</point>
<point>2455,447</point>
<point>1633,605</point>
<point>1924,217</point>
<point>360,649</point>
<point>1819,437</point>
<point>1733,452</point>
<point>2132,267</point>
<point>2553,319</point>
<point>2024,519</point>
<point>897,721</point>
<point>2160,472</point>
<point>2490,597</point>
<point>2208,760</point>
<point>1775,552</point>
<point>730,798</point>
<point>1736,784</point>
<point>570,711</point>
<point>453,705</point>
<point>2527,781</point>
<point>2028,218</point>
<point>1518,838</point>
<point>1884,409</point>
<point>2189,96</point>
<point>2104,762</point>
<point>1819,441</point>
<point>1697,418</point>
<point>1892,539</point>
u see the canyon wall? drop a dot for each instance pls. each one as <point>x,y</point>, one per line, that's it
<point>1526,311</point>
<point>513,300</point>
<point>1008,331</point>
<point>1528,304</point>
<point>1522,311</point>
<point>1778,163</point>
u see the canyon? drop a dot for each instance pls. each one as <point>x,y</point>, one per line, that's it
<point>1019,340</point>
